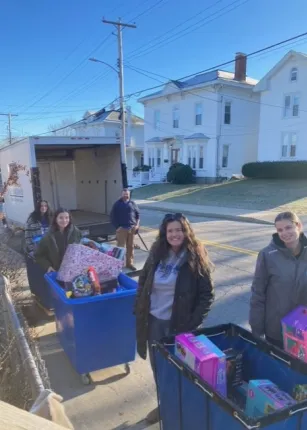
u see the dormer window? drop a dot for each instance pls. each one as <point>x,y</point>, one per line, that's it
<point>293,75</point>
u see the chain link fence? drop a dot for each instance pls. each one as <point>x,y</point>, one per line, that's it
<point>23,374</point>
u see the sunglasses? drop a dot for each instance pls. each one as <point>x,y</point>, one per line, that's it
<point>174,217</point>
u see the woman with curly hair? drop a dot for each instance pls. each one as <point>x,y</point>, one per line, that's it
<point>175,290</point>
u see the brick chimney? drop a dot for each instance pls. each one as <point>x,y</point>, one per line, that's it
<point>240,68</point>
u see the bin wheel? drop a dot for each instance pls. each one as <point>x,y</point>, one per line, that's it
<point>86,379</point>
<point>127,368</point>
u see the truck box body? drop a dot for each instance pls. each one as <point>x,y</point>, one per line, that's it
<point>82,175</point>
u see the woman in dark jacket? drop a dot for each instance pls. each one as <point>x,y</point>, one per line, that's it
<point>280,281</point>
<point>38,224</point>
<point>175,290</point>
<point>52,247</point>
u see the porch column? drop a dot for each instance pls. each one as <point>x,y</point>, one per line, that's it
<point>132,160</point>
<point>185,152</point>
<point>146,161</point>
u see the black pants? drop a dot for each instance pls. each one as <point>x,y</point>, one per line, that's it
<point>277,343</point>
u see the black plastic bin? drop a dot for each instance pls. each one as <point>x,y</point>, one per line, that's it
<point>38,285</point>
<point>186,402</point>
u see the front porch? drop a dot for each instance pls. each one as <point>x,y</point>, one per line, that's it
<point>193,150</point>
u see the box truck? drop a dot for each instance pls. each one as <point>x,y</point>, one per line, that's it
<point>81,174</point>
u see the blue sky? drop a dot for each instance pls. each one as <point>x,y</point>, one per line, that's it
<point>45,74</point>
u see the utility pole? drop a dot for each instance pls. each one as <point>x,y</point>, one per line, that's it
<point>9,115</point>
<point>119,26</point>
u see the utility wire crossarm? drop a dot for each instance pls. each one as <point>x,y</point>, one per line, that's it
<point>9,115</point>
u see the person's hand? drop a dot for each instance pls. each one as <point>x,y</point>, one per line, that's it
<point>50,269</point>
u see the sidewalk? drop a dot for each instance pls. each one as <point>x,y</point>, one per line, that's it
<point>232,214</point>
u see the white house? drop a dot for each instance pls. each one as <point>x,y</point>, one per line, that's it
<point>209,121</point>
<point>283,112</point>
<point>108,123</point>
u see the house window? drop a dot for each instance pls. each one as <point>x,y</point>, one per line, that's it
<point>296,106</point>
<point>192,156</point>
<point>225,156</point>
<point>158,157</point>
<point>175,117</point>
<point>151,157</point>
<point>289,143</point>
<point>291,106</point>
<point>293,75</point>
<point>201,157</point>
<point>156,119</point>
<point>198,113</point>
<point>227,113</point>
<point>142,159</point>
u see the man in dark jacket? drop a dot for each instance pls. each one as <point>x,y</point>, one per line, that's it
<point>125,217</point>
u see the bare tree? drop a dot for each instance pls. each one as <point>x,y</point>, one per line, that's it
<point>62,128</point>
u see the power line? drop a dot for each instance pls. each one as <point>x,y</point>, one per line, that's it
<point>191,28</point>
<point>218,66</point>
<point>173,28</point>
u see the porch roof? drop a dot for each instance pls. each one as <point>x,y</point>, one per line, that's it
<point>196,136</point>
<point>165,139</point>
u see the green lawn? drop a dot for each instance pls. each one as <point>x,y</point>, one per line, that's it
<point>245,194</point>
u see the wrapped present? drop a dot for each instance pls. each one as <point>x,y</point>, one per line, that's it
<point>78,258</point>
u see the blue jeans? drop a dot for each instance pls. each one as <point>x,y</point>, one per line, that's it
<point>157,329</point>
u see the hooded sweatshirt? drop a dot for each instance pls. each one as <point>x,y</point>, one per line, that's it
<point>279,286</point>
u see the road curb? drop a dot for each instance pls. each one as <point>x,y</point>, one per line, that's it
<point>237,218</point>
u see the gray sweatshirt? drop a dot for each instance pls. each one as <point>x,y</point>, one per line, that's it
<point>163,289</point>
<point>279,286</point>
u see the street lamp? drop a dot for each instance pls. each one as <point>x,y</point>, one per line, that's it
<point>119,73</point>
<point>95,60</point>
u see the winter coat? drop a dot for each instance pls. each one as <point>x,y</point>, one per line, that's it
<point>279,286</point>
<point>33,228</point>
<point>49,253</point>
<point>194,295</point>
<point>125,215</point>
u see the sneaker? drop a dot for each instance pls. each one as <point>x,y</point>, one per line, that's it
<point>131,267</point>
<point>153,416</point>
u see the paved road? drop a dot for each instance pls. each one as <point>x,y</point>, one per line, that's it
<point>118,402</point>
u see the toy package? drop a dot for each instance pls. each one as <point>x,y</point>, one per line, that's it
<point>238,395</point>
<point>202,356</point>
<point>264,397</point>
<point>81,287</point>
<point>294,327</point>
<point>300,392</point>
<point>105,248</point>
<point>234,368</point>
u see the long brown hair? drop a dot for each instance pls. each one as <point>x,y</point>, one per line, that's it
<point>197,255</point>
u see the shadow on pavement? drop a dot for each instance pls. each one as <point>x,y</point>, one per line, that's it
<point>141,425</point>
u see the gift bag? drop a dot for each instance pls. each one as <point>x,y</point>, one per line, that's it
<point>78,258</point>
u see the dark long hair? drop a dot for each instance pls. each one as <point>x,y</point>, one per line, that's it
<point>37,216</point>
<point>197,255</point>
<point>58,212</point>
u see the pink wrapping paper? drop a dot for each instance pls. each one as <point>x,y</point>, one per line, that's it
<point>78,258</point>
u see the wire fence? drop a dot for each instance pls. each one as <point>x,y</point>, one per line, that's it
<point>23,374</point>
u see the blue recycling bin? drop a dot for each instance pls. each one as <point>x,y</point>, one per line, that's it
<point>39,287</point>
<point>96,332</point>
<point>186,402</point>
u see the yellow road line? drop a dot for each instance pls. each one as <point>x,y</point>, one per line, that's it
<point>214,244</point>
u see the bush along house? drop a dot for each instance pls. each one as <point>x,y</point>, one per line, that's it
<point>209,122</point>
